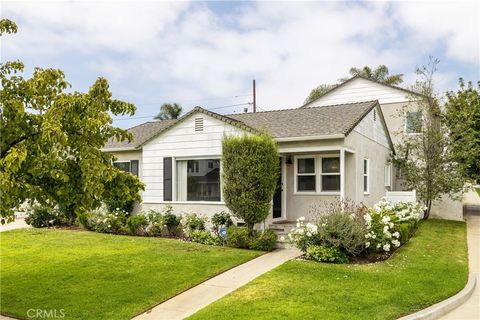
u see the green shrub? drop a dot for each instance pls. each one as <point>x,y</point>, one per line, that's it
<point>221,219</point>
<point>205,237</point>
<point>170,220</point>
<point>102,221</point>
<point>406,230</point>
<point>238,237</point>
<point>44,216</point>
<point>264,241</point>
<point>136,224</point>
<point>323,253</point>
<point>249,176</point>
<point>155,221</point>
<point>83,220</point>
<point>191,222</point>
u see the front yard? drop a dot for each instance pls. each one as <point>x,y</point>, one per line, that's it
<point>429,268</point>
<point>101,276</point>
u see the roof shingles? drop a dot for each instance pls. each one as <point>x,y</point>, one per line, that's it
<point>303,122</point>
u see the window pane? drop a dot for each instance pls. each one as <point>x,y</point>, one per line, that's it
<point>330,165</point>
<point>413,122</point>
<point>203,180</point>
<point>365,183</point>
<point>331,183</point>
<point>306,183</point>
<point>124,166</point>
<point>365,166</point>
<point>306,165</point>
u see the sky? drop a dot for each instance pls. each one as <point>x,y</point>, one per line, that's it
<point>208,53</point>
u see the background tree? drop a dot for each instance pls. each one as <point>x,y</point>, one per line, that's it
<point>50,143</point>
<point>169,111</point>
<point>426,159</point>
<point>380,74</point>
<point>249,176</point>
<point>318,92</point>
<point>462,116</point>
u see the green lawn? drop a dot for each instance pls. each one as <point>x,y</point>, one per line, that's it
<point>100,276</point>
<point>478,191</point>
<point>430,268</point>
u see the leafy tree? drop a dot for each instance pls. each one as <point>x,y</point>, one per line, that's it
<point>380,74</point>
<point>169,111</point>
<point>462,116</point>
<point>318,92</point>
<point>426,159</point>
<point>249,175</point>
<point>50,143</point>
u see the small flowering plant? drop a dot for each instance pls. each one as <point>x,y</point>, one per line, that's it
<point>107,222</point>
<point>304,235</point>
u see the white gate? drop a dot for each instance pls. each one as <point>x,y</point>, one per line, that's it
<point>401,196</point>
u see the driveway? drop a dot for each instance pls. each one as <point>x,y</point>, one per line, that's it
<point>19,223</point>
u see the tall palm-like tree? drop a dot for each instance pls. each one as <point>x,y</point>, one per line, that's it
<point>379,74</point>
<point>169,111</point>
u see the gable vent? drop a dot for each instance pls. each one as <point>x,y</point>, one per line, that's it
<point>374,115</point>
<point>198,124</point>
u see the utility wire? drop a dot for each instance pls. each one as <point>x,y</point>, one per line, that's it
<point>213,108</point>
<point>190,100</point>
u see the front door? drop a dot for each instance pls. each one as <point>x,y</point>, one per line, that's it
<point>278,196</point>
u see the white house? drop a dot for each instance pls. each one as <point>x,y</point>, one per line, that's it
<point>325,153</point>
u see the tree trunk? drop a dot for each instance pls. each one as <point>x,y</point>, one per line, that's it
<point>426,212</point>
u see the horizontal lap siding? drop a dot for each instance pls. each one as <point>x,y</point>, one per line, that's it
<point>373,129</point>
<point>361,90</point>
<point>181,141</point>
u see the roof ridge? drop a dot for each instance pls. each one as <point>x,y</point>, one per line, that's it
<point>296,108</point>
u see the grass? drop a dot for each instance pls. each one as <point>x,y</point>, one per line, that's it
<point>100,276</point>
<point>478,191</point>
<point>429,268</point>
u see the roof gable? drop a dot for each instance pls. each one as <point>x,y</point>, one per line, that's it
<point>362,89</point>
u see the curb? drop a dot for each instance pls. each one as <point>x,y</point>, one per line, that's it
<point>443,307</point>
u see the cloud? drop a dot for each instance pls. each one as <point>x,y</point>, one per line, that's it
<point>175,51</point>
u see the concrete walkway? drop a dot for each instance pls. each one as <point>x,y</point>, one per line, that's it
<point>192,300</point>
<point>19,223</point>
<point>470,310</point>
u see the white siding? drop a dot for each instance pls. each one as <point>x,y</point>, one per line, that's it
<point>359,90</point>
<point>373,129</point>
<point>181,141</point>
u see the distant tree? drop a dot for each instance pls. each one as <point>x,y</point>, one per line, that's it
<point>426,159</point>
<point>462,116</point>
<point>318,92</point>
<point>50,142</point>
<point>169,111</point>
<point>380,74</point>
<point>249,176</point>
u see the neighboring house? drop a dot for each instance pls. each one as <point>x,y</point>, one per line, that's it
<point>330,152</point>
<point>401,117</point>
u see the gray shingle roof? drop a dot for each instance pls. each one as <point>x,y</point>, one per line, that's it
<point>304,122</point>
<point>140,133</point>
<point>318,121</point>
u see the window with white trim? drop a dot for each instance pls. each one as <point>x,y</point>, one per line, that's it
<point>388,175</point>
<point>306,177</point>
<point>197,180</point>
<point>366,176</point>
<point>330,174</point>
<point>122,165</point>
<point>413,122</point>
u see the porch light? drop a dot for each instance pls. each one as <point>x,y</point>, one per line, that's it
<point>289,160</point>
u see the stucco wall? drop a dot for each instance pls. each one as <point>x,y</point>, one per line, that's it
<point>378,156</point>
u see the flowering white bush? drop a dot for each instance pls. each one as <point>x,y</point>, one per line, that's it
<point>191,222</point>
<point>304,235</point>
<point>384,222</point>
<point>101,220</point>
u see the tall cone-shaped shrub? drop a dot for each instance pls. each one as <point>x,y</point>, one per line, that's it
<point>249,176</point>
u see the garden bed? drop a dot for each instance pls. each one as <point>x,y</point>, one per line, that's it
<point>412,279</point>
<point>91,275</point>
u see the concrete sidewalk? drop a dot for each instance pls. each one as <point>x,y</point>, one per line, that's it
<point>470,310</point>
<point>196,298</point>
<point>19,223</point>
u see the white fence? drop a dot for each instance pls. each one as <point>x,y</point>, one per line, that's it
<point>398,196</point>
